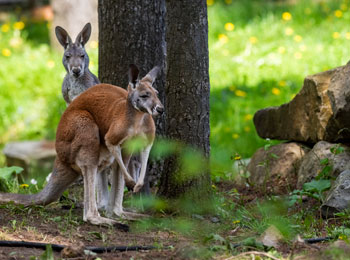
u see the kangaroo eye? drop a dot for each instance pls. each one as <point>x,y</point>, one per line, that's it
<point>82,56</point>
<point>67,56</point>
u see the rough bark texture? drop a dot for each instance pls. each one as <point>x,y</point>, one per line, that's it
<point>72,16</point>
<point>187,91</point>
<point>133,32</point>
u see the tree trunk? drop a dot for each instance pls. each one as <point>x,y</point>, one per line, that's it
<point>187,92</point>
<point>133,32</point>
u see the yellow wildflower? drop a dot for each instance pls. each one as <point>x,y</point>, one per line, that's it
<point>93,44</point>
<point>235,136</point>
<point>347,35</point>
<point>50,64</point>
<point>237,157</point>
<point>213,186</point>
<point>298,38</point>
<point>289,31</point>
<point>281,49</point>
<point>6,52</point>
<point>248,117</point>
<point>276,91</point>
<point>286,16</point>
<point>236,221</point>
<point>253,40</point>
<point>298,55</point>
<point>282,83</point>
<point>223,38</point>
<point>24,186</point>
<point>18,25</point>
<point>338,13</point>
<point>5,27</point>
<point>210,2</point>
<point>336,35</point>
<point>247,129</point>
<point>229,27</point>
<point>240,93</point>
<point>342,237</point>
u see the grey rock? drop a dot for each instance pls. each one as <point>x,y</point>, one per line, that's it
<point>311,165</point>
<point>338,198</point>
<point>277,167</point>
<point>35,157</point>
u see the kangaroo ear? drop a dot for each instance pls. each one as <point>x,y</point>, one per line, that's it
<point>62,36</point>
<point>152,75</point>
<point>84,35</point>
<point>133,74</point>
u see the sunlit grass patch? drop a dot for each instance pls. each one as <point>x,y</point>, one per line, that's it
<point>271,43</point>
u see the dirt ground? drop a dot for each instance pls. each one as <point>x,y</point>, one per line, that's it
<point>60,224</point>
<point>50,225</point>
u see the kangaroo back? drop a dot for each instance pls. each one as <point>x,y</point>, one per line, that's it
<point>76,62</point>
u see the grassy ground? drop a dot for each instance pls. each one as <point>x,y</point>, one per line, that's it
<point>260,52</point>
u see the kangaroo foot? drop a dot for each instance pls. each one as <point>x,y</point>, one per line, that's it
<point>129,215</point>
<point>96,220</point>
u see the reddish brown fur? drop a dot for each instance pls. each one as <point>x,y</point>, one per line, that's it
<point>102,116</point>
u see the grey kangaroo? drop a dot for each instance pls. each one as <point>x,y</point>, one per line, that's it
<point>78,79</point>
<point>76,62</point>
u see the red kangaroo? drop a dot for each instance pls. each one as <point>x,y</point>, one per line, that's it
<point>89,138</point>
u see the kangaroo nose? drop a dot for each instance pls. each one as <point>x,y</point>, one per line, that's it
<point>160,110</point>
<point>76,70</point>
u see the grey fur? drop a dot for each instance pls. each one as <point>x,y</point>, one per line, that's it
<point>76,62</point>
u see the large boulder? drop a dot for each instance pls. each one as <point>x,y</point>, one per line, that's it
<point>338,198</point>
<point>275,169</point>
<point>321,157</point>
<point>318,112</point>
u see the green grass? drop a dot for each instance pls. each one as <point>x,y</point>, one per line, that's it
<point>262,62</point>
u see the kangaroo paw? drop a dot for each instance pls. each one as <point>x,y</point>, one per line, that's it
<point>130,184</point>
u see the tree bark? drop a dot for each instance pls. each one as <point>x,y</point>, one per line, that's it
<point>133,32</point>
<point>187,92</point>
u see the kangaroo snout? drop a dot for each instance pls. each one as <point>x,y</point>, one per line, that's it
<point>76,71</point>
<point>160,110</point>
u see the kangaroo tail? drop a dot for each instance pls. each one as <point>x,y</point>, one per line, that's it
<point>62,176</point>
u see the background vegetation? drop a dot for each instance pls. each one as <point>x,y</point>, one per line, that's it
<point>259,54</point>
